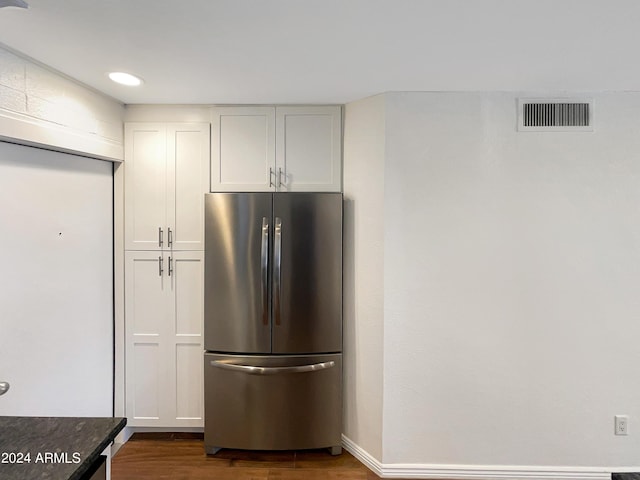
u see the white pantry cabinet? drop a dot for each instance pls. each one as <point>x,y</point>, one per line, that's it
<point>288,149</point>
<point>164,314</point>
<point>165,176</point>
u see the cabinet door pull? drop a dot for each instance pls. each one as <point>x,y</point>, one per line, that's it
<point>280,182</point>
<point>271,174</point>
<point>159,236</point>
<point>169,236</point>
<point>160,270</point>
<point>170,267</point>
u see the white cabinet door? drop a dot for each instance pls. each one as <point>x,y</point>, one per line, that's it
<point>242,149</point>
<point>166,173</point>
<point>262,149</point>
<point>309,149</point>
<point>185,333</point>
<point>145,179</point>
<point>146,343</point>
<point>164,314</point>
<point>187,182</point>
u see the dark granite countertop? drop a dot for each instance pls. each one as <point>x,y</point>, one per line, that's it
<point>59,448</point>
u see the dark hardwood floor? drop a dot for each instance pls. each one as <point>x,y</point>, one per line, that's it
<point>182,457</point>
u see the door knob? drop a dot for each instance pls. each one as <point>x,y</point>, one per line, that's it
<point>4,386</point>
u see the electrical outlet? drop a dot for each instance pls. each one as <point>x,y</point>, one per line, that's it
<point>621,425</point>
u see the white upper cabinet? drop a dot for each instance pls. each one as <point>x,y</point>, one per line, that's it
<point>166,173</point>
<point>243,148</point>
<point>291,149</point>
<point>309,149</point>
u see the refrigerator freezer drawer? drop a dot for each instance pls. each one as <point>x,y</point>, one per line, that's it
<point>272,403</point>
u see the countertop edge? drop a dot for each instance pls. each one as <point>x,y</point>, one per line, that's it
<point>88,461</point>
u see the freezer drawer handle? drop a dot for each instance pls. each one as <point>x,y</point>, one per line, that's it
<point>271,370</point>
<point>264,267</point>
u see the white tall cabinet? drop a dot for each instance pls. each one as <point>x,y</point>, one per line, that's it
<point>282,148</point>
<point>166,175</point>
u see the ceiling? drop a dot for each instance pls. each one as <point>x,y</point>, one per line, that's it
<point>330,51</point>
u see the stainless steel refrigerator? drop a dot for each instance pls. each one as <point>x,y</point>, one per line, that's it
<point>273,321</point>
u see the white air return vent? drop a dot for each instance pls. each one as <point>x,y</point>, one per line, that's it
<point>555,115</point>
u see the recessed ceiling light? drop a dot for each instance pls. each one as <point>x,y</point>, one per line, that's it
<point>125,79</point>
<point>13,3</point>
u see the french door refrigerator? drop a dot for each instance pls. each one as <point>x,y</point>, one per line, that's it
<point>273,321</point>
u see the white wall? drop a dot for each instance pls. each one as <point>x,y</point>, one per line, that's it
<point>56,325</point>
<point>364,141</point>
<point>511,266</point>
<point>43,108</point>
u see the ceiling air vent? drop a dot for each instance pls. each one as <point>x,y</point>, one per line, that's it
<point>555,115</point>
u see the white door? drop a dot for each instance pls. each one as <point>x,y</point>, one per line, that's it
<point>242,149</point>
<point>185,339</point>
<point>145,180</point>
<point>56,322</point>
<point>309,149</point>
<point>146,319</point>
<point>187,182</point>
<point>164,313</point>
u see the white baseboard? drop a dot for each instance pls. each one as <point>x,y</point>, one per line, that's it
<point>361,454</point>
<point>475,472</point>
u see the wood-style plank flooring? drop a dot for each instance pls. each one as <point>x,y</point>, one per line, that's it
<point>182,457</point>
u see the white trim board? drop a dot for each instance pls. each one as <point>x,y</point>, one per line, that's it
<point>476,472</point>
<point>33,132</point>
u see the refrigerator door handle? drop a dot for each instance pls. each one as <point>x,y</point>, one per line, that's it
<point>277,272</point>
<point>264,266</point>
<point>251,369</point>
